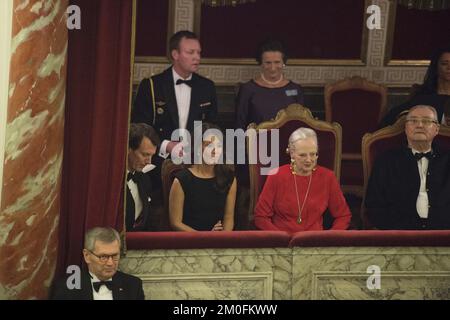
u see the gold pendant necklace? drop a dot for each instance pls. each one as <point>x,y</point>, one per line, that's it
<point>300,209</point>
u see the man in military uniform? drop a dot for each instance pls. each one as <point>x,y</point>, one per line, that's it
<point>177,97</point>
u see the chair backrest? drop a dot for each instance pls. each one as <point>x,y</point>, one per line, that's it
<point>389,138</point>
<point>375,144</point>
<point>357,105</point>
<point>329,137</point>
<point>168,171</point>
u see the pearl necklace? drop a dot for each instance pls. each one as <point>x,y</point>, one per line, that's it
<point>300,209</point>
<point>272,83</point>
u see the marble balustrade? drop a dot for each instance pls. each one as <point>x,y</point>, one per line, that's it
<point>294,272</point>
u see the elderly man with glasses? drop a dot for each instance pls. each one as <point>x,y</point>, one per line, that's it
<point>101,280</point>
<point>406,189</point>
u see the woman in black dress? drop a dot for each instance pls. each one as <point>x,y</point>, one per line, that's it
<point>203,196</point>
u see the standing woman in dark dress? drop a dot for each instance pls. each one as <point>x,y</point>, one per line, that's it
<point>435,90</point>
<point>203,196</point>
<point>261,98</point>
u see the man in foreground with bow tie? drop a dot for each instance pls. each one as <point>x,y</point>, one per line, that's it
<point>101,280</point>
<point>406,186</point>
<point>141,201</point>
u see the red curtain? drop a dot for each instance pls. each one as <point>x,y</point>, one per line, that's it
<point>96,125</point>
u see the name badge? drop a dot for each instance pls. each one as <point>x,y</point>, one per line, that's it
<point>293,92</point>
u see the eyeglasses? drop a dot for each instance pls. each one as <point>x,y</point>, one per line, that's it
<point>104,258</point>
<point>425,122</point>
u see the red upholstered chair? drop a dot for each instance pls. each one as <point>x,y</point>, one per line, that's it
<point>329,136</point>
<point>357,105</point>
<point>388,138</point>
<point>168,171</point>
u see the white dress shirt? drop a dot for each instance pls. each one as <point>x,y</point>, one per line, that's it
<point>183,97</point>
<point>103,293</point>
<point>137,199</point>
<point>422,204</point>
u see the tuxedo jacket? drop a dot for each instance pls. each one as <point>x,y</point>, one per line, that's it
<point>163,114</point>
<point>394,186</point>
<point>144,185</point>
<point>125,287</point>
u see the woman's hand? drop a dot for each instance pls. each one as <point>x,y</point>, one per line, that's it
<point>218,226</point>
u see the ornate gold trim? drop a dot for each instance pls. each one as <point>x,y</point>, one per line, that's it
<point>197,17</point>
<point>293,112</point>
<point>130,99</point>
<point>392,7</point>
<point>252,62</point>
<point>408,63</point>
<point>365,34</point>
<point>390,131</point>
<point>388,61</point>
<point>293,62</point>
<point>170,32</point>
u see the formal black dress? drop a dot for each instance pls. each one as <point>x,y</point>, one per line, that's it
<point>204,204</point>
<point>125,287</point>
<point>394,186</point>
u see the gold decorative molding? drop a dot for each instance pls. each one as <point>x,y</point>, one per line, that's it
<point>170,30</point>
<point>291,62</point>
<point>294,62</point>
<point>388,61</point>
<point>409,63</point>
<point>390,31</point>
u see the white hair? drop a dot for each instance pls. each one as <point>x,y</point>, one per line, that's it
<point>424,106</point>
<point>302,134</point>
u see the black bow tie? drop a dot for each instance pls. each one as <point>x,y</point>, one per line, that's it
<point>133,176</point>
<point>97,285</point>
<point>188,82</point>
<point>420,155</point>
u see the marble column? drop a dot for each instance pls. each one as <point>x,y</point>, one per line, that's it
<point>33,150</point>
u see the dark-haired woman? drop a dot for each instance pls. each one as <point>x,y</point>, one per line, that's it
<point>261,98</point>
<point>203,196</point>
<point>435,90</point>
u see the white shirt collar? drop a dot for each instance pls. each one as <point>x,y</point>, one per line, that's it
<point>94,278</point>
<point>176,76</point>
<point>414,151</point>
